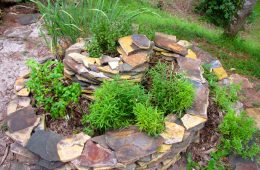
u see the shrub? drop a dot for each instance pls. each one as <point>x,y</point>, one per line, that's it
<point>148,119</point>
<point>171,93</point>
<point>113,105</point>
<point>105,36</point>
<point>219,12</point>
<point>237,133</point>
<point>48,89</point>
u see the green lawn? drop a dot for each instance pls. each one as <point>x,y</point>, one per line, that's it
<point>243,55</point>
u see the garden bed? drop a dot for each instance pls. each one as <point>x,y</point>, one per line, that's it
<point>128,147</point>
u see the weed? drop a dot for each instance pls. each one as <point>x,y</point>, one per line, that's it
<point>48,89</point>
<point>171,93</point>
<point>148,119</point>
<point>113,105</point>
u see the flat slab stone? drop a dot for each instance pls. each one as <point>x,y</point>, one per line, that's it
<point>141,41</point>
<point>220,72</point>
<point>12,106</point>
<point>204,56</point>
<point>71,147</point>
<point>168,42</point>
<point>44,144</point>
<point>173,133</point>
<point>22,136</point>
<point>255,114</point>
<point>136,59</point>
<point>50,164</point>
<point>23,92</point>
<point>243,81</point>
<point>20,150</point>
<point>191,67</point>
<point>24,101</point>
<point>127,45</point>
<point>19,84</point>
<point>191,54</point>
<point>201,100</point>
<point>191,121</point>
<point>130,144</point>
<point>106,59</point>
<point>95,156</point>
<point>21,119</point>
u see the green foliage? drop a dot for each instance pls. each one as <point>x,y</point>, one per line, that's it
<point>171,93</point>
<point>148,119</point>
<point>237,132</point>
<point>220,12</point>
<point>48,89</point>
<point>105,36</point>
<point>113,105</point>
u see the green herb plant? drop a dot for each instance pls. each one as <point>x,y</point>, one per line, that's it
<point>46,84</point>
<point>149,119</point>
<point>237,130</point>
<point>171,92</point>
<point>113,105</point>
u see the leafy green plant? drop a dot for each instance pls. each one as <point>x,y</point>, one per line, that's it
<point>105,36</point>
<point>148,119</point>
<point>48,89</point>
<point>220,12</point>
<point>113,105</point>
<point>172,93</point>
<point>237,130</point>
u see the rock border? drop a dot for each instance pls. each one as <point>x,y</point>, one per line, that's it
<point>122,149</point>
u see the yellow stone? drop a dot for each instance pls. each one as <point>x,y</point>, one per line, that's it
<point>87,61</point>
<point>125,77</point>
<point>19,84</point>
<point>137,59</point>
<point>168,54</point>
<point>220,73</point>
<point>107,69</point>
<point>71,147</point>
<point>173,133</point>
<point>191,54</point>
<point>164,148</point>
<point>126,44</point>
<point>87,91</point>
<point>190,121</point>
<point>24,92</point>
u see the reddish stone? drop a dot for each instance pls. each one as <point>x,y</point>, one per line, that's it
<point>94,155</point>
<point>168,42</point>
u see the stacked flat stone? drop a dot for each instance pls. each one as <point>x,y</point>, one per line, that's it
<point>131,63</point>
<point>121,149</point>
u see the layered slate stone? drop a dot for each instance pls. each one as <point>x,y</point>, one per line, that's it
<point>71,147</point>
<point>136,59</point>
<point>94,155</point>
<point>243,81</point>
<point>130,144</point>
<point>21,119</point>
<point>191,121</point>
<point>127,45</point>
<point>19,84</point>
<point>44,144</point>
<point>202,55</point>
<point>21,151</point>
<point>201,100</point>
<point>255,114</point>
<point>75,48</point>
<point>168,42</point>
<point>191,67</point>
<point>22,136</point>
<point>141,41</point>
<point>173,133</point>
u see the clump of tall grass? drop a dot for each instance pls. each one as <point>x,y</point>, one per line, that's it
<point>84,18</point>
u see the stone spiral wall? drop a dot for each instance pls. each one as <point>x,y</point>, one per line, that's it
<point>121,149</point>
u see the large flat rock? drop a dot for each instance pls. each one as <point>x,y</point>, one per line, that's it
<point>44,144</point>
<point>130,144</point>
